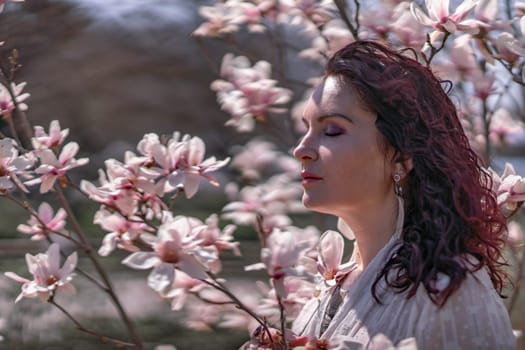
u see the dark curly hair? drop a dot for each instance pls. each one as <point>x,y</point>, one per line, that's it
<point>451,214</point>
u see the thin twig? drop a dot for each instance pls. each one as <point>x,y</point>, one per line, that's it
<point>116,342</point>
<point>342,11</point>
<point>283,322</point>
<point>103,274</point>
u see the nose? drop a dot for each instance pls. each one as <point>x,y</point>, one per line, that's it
<point>305,151</point>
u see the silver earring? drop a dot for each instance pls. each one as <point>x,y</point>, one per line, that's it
<point>398,189</point>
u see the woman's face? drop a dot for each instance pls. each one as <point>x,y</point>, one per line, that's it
<point>344,164</point>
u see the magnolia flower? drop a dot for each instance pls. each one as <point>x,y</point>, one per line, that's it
<point>182,286</point>
<point>53,168</point>
<point>248,93</point>
<point>515,237</point>
<point>280,256</point>
<point>174,248</point>
<point>251,14</point>
<point>441,19</point>
<point>12,165</point>
<point>6,102</point>
<point>253,157</point>
<point>191,166</point>
<point>221,20</point>
<point>314,11</point>
<point>122,231</point>
<point>506,130</point>
<point>211,235</point>
<point>47,274</point>
<point>509,189</point>
<point>44,223</point>
<point>271,201</point>
<point>330,254</point>
<point>53,140</point>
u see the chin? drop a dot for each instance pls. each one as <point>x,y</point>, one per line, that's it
<point>315,205</point>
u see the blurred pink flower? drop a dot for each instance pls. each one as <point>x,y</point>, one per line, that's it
<point>219,21</point>
<point>271,200</point>
<point>12,165</point>
<point>247,93</point>
<point>280,258</point>
<point>6,102</point>
<point>314,11</point>
<point>509,189</point>
<point>407,29</point>
<point>122,232</point>
<point>53,168</point>
<point>506,130</point>
<point>53,140</point>
<point>47,274</point>
<point>210,234</point>
<point>441,19</point>
<point>515,237</point>
<point>175,247</point>
<point>40,227</point>
<point>182,286</point>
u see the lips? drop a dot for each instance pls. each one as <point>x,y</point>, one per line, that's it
<point>309,178</point>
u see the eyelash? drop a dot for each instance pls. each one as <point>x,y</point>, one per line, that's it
<point>333,131</point>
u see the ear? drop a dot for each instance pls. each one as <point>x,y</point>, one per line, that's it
<point>402,165</point>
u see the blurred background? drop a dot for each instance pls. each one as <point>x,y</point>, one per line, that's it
<point>111,71</point>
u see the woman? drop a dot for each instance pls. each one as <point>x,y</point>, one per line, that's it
<point>385,152</point>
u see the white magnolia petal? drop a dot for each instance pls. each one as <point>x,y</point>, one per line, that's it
<point>161,277</point>
<point>141,260</point>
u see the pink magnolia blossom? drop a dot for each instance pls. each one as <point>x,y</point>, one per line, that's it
<point>13,165</point>
<point>46,222</point>
<point>249,13</point>
<point>219,21</point>
<point>280,258</point>
<point>53,140</point>
<point>247,93</point>
<point>191,166</point>
<point>330,254</point>
<point>406,28</point>
<point>123,185</point>
<point>48,276</point>
<point>505,129</point>
<point>6,102</point>
<point>183,285</point>
<point>516,237</point>
<point>122,232</point>
<point>272,200</point>
<point>509,189</point>
<point>314,11</point>
<point>175,247</point>
<point>441,19</point>
<point>334,36</point>
<point>210,234</point>
<point>53,168</point>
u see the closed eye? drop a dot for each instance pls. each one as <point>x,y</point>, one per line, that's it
<point>333,130</point>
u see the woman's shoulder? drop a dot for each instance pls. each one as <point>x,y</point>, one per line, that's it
<point>473,315</point>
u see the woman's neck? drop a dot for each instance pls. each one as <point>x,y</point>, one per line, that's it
<point>373,227</point>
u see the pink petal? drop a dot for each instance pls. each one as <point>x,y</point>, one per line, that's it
<point>141,260</point>
<point>68,152</point>
<point>196,151</point>
<point>161,277</point>
<point>191,184</point>
<point>69,266</point>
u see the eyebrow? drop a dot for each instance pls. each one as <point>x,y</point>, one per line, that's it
<point>322,117</point>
